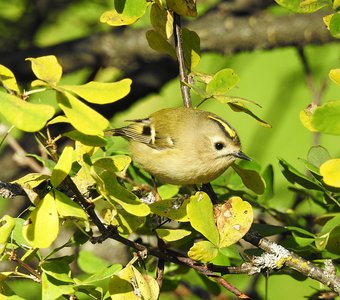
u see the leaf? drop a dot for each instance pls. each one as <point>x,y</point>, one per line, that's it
<point>32,180</point>
<point>233,220</point>
<point>323,238</point>
<point>295,176</point>
<point>109,188</point>
<point>63,166</point>
<point>158,43</point>
<point>203,251</point>
<point>126,12</point>
<point>126,223</point>
<point>334,25</point>
<point>222,82</point>
<point>172,209</point>
<point>46,68</point>
<point>24,115</point>
<point>58,268</point>
<point>7,224</point>
<point>52,289</point>
<point>8,79</point>
<point>185,8</point>
<point>162,20</point>
<point>239,107</point>
<point>306,116</point>
<point>326,118</point>
<point>131,284</point>
<point>200,205</point>
<point>82,117</point>
<point>86,139</point>
<point>68,208</point>
<point>330,171</point>
<point>251,179</point>
<point>116,163</point>
<point>303,6</point>
<point>335,75</point>
<point>191,47</point>
<point>100,92</point>
<point>42,227</point>
<point>103,274</point>
<point>167,191</point>
<point>170,235</point>
<point>90,263</point>
<point>317,155</point>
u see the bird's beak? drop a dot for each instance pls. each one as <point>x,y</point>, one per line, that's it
<point>241,155</point>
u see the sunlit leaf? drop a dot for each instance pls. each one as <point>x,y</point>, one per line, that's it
<point>334,25</point>
<point>86,139</point>
<point>8,79</point>
<point>200,205</point>
<point>303,6</point>
<point>222,82</point>
<point>42,226</point>
<point>203,251</point>
<point>125,12</point>
<point>81,116</point>
<point>251,179</point>
<point>170,235</point>
<point>52,289</point>
<point>185,8</point>
<point>233,220</point>
<point>192,49</point>
<point>335,75</point>
<point>68,208</point>
<point>326,118</point>
<point>330,170</point>
<point>63,166</point>
<point>25,116</point>
<point>306,116</point>
<point>7,224</point>
<point>46,68</point>
<point>127,223</point>
<point>100,92</point>
<point>116,163</point>
<point>167,191</point>
<point>172,209</point>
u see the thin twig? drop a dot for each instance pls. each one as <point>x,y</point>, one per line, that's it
<point>181,62</point>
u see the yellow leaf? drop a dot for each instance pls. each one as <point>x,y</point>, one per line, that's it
<point>46,68</point>
<point>233,220</point>
<point>327,20</point>
<point>185,8</point>
<point>203,251</point>
<point>42,227</point>
<point>172,209</point>
<point>63,166</point>
<point>335,75</point>
<point>330,170</point>
<point>306,116</point>
<point>8,79</point>
<point>162,20</point>
<point>170,235</point>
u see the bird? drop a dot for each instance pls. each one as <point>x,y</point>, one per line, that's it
<point>182,146</point>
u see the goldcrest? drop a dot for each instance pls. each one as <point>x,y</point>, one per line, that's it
<point>182,145</point>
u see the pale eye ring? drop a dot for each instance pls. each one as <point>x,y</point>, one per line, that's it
<point>219,145</point>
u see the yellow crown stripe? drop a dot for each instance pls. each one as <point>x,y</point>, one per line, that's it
<point>226,126</point>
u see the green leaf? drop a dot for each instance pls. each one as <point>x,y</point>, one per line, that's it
<point>167,191</point>
<point>323,238</point>
<point>8,79</point>
<point>81,116</point>
<point>161,20</point>
<point>24,115</point>
<point>330,171</point>
<point>63,166</point>
<point>222,82</point>
<point>7,224</point>
<point>42,227</point>
<point>335,75</point>
<point>240,107</point>
<point>116,163</point>
<point>109,188</point>
<point>172,209</point>
<point>170,235</point>
<point>68,208</point>
<point>185,8</point>
<point>126,12</point>
<point>191,47</point>
<point>90,263</point>
<point>268,177</point>
<point>295,176</point>
<point>303,6</point>
<point>317,155</point>
<point>233,220</point>
<point>102,274</point>
<point>46,68</point>
<point>58,268</point>
<point>88,140</point>
<point>53,289</point>
<point>203,251</point>
<point>158,43</point>
<point>326,118</point>
<point>126,223</point>
<point>251,179</point>
<point>101,93</point>
<point>200,205</point>
<point>334,25</point>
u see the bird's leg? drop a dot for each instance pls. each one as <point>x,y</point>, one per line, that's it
<point>207,188</point>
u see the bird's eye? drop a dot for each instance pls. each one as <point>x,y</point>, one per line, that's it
<point>219,146</point>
